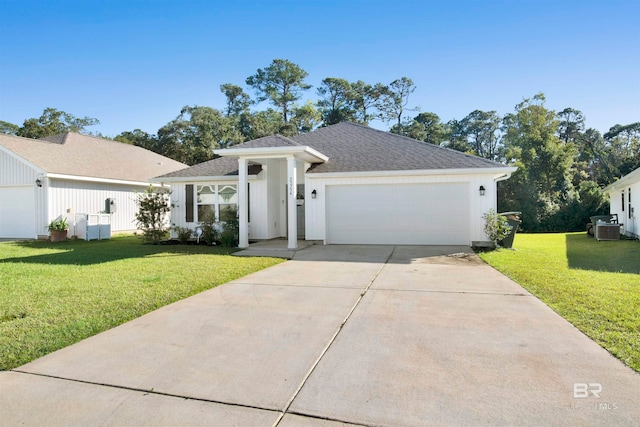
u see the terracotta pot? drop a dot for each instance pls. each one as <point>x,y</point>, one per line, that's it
<point>58,236</point>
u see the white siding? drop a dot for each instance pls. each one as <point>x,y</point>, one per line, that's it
<point>13,172</point>
<point>178,211</point>
<point>258,209</point>
<point>628,218</point>
<point>70,197</point>
<point>632,225</point>
<point>42,212</point>
<point>478,205</point>
<point>275,198</point>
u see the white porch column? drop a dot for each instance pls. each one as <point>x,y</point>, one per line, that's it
<point>243,204</point>
<point>292,189</point>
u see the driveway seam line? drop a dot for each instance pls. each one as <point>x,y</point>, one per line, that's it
<point>299,286</point>
<point>427,291</point>
<point>332,340</point>
<point>142,390</point>
<point>317,417</point>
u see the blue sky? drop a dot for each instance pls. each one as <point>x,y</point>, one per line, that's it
<point>135,64</point>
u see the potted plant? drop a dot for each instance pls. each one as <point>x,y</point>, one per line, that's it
<point>58,229</point>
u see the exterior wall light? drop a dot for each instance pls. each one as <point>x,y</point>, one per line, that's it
<point>482,190</point>
<point>39,182</point>
<point>314,193</point>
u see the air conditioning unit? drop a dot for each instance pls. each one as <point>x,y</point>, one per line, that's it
<point>606,231</point>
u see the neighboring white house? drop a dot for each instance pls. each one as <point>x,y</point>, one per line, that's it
<point>623,204</point>
<point>43,179</point>
<point>342,184</point>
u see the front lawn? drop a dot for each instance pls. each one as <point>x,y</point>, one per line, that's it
<point>55,294</point>
<point>594,285</point>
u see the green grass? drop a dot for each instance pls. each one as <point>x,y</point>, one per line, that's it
<point>594,285</point>
<point>55,294</point>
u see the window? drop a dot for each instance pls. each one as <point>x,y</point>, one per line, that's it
<point>218,202</point>
<point>622,200</point>
<point>206,202</point>
<point>629,201</point>
<point>228,202</point>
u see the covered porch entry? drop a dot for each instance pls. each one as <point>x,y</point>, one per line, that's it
<point>283,170</point>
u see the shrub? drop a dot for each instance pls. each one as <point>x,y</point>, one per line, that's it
<point>152,215</point>
<point>209,228</point>
<point>184,233</point>
<point>496,226</point>
<point>230,233</point>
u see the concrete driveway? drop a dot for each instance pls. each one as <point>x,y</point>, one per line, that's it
<point>364,335</point>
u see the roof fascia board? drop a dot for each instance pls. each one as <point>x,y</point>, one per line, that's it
<point>21,159</point>
<point>200,178</point>
<point>420,172</point>
<point>273,152</point>
<point>94,179</point>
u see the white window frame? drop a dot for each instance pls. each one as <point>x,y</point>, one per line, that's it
<point>217,200</point>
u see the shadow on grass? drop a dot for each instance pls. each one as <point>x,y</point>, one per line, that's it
<point>586,253</point>
<point>81,252</point>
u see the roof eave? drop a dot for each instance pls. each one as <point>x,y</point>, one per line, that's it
<point>498,172</point>
<point>201,178</point>
<point>303,152</point>
<point>95,179</point>
<point>628,179</point>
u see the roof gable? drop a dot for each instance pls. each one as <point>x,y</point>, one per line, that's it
<point>86,156</point>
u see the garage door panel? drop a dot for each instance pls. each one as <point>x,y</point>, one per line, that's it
<point>435,214</point>
<point>17,212</point>
<point>402,238</point>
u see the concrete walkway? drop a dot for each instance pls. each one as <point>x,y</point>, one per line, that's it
<point>341,335</point>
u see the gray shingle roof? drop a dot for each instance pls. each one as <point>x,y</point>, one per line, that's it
<point>223,166</point>
<point>87,156</point>
<point>353,148</point>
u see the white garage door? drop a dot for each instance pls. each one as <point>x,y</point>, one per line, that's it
<point>402,214</point>
<point>17,212</point>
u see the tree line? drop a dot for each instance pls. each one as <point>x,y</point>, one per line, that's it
<point>561,163</point>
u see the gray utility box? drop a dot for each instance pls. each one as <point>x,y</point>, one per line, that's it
<point>93,226</point>
<point>607,231</point>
